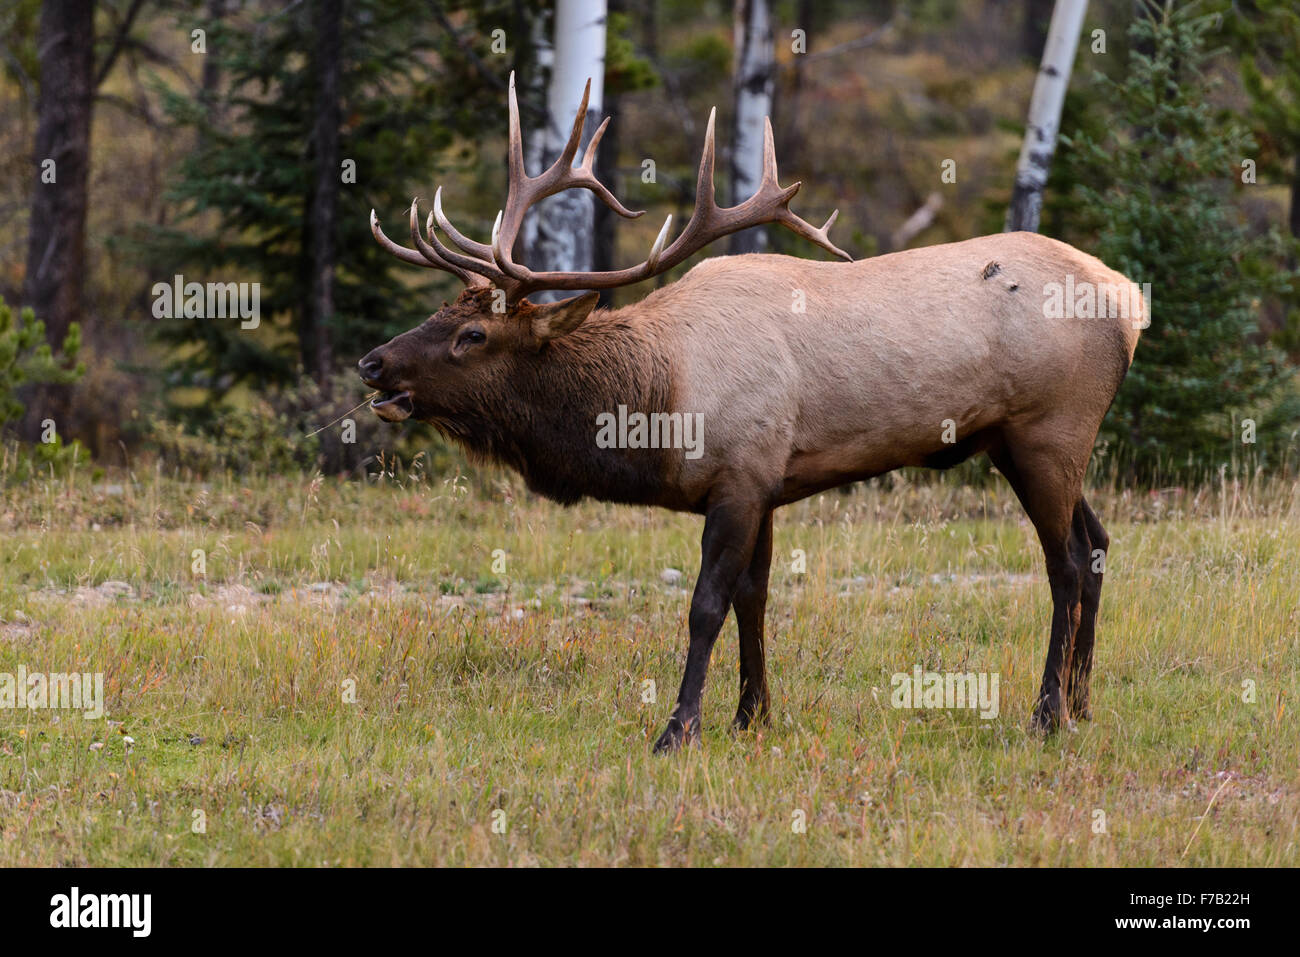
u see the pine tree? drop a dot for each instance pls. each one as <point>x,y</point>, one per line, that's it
<point>1269,38</point>
<point>409,85</point>
<point>1154,195</point>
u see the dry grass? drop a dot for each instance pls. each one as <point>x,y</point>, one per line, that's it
<point>522,692</point>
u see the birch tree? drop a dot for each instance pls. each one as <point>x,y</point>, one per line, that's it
<point>565,233</point>
<point>1045,115</point>
<point>754,80</point>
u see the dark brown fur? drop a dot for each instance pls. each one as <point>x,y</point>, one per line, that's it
<point>534,407</point>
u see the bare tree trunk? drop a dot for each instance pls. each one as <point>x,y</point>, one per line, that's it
<point>649,23</point>
<point>754,80</point>
<point>606,220</point>
<point>322,213</point>
<point>56,243</point>
<point>1045,115</point>
<point>54,282</point>
<point>565,237</point>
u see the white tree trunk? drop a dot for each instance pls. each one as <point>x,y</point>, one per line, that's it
<point>1045,115</point>
<point>565,233</point>
<point>754,80</point>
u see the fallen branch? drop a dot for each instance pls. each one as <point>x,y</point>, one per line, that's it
<point>918,222</point>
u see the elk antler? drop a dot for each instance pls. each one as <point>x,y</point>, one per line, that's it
<point>429,260</point>
<point>493,263</point>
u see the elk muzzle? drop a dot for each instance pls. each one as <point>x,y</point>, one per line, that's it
<point>392,404</point>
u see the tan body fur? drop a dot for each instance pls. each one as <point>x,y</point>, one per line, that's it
<point>885,353</point>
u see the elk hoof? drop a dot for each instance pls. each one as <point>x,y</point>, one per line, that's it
<point>749,715</point>
<point>1048,718</point>
<point>678,733</point>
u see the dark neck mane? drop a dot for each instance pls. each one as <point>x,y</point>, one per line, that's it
<point>542,420</point>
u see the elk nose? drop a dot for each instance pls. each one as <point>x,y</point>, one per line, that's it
<point>370,367</point>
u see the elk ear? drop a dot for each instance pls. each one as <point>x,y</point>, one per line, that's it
<point>554,319</point>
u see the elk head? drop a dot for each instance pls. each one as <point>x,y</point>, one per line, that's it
<point>443,368</point>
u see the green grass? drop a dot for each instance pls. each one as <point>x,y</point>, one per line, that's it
<point>521,692</point>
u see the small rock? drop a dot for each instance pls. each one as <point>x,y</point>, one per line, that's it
<point>116,589</point>
<point>670,576</point>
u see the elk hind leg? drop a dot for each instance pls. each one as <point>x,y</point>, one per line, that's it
<point>1049,495</point>
<point>1081,663</point>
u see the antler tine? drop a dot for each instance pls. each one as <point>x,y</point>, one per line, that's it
<point>657,249</point>
<point>585,176</point>
<point>500,257</point>
<point>704,182</point>
<point>785,215</point>
<point>769,189</point>
<point>465,244</point>
<point>415,258</point>
<point>515,157</point>
<point>482,271</point>
<point>609,199</point>
<point>812,234</point>
<point>589,157</point>
<point>565,160</point>
<point>704,216</point>
<point>769,154</point>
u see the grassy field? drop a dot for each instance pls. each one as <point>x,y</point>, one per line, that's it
<point>499,715</point>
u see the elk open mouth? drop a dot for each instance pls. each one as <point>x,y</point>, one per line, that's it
<point>393,406</point>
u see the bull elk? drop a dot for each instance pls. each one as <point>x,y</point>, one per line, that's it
<point>919,358</point>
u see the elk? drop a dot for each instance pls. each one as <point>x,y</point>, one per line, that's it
<point>918,358</point>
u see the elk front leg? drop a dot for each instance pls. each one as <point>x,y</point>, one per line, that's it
<point>731,528</point>
<point>751,605</point>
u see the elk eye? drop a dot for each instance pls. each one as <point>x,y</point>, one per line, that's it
<point>472,337</point>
